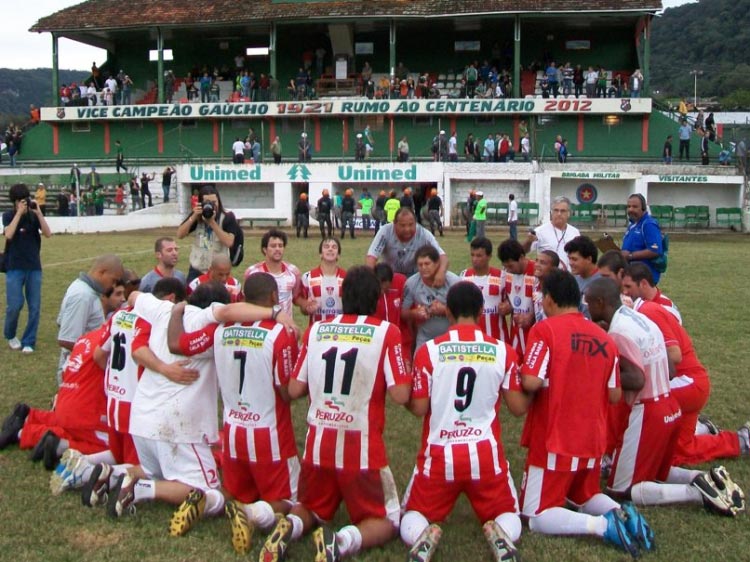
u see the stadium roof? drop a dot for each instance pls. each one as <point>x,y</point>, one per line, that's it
<point>100,15</point>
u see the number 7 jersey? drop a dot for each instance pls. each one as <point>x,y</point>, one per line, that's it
<point>348,364</point>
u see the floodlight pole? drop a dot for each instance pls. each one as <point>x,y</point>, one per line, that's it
<point>695,74</point>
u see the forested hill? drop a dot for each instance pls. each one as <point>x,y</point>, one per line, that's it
<point>712,36</point>
<point>19,88</point>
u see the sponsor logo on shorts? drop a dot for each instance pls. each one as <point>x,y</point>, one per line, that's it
<point>461,433</point>
<point>243,415</point>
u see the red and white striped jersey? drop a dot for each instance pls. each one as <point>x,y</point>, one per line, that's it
<point>348,364</point>
<point>667,303</point>
<point>639,340</point>
<point>288,282</point>
<point>493,287</point>
<point>326,289</point>
<point>122,373</point>
<point>519,289</point>
<point>462,372</point>
<point>252,361</point>
<point>232,285</point>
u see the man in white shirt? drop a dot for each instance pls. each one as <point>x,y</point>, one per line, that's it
<point>238,151</point>
<point>554,234</point>
<point>513,217</point>
<point>453,148</point>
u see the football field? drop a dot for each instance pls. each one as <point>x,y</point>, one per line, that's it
<point>707,278</point>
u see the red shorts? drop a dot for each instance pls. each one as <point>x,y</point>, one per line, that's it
<point>366,493</point>
<point>542,489</point>
<point>38,422</point>
<point>489,497</point>
<point>122,447</point>
<point>251,481</point>
<point>644,452</point>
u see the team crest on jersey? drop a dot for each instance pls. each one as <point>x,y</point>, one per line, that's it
<point>329,290</point>
<point>243,336</point>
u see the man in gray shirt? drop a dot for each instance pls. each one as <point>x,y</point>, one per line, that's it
<point>167,254</point>
<point>398,243</point>
<point>424,302</point>
<point>81,309</point>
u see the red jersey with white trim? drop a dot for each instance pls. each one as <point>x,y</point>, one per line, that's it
<point>667,303</point>
<point>640,340</point>
<point>348,364</point>
<point>81,402</point>
<point>462,372</point>
<point>326,289</point>
<point>232,285</point>
<point>253,360</point>
<point>493,287</point>
<point>674,335</point>
<point>519,289</point>
<point>123,331</point>
<point>288,282</point>
<point>389,303</point>
<point>566,425</point>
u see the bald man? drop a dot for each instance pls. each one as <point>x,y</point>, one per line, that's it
<point>81,308</point>
<point>221,272</point>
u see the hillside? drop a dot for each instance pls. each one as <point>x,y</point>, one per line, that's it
<point>711,36</point>
<point>19,88</point>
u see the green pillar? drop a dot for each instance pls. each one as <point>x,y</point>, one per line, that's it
<point>647,57</point>
<point>517,57</point>
<point>272,51</point>
<point>160,65</point>
<point>55,73</point>
<point>392,54</point>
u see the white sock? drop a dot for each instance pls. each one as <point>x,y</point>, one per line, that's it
<point>214,502</point>
<point>655,493</point>
<point>62,446</point>
<point>412,525</point>
<point>599,504</point>
<point>86,472</point>
<point>561,521</point>
<point>297,526</point>
<point>349,540</point>
<point>679,475</point>
<point>105,457</point>
<point>261,515</point>
<point>511,524</point>
<point>144,491</point>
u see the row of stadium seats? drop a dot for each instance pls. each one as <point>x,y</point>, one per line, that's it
<point>696,216</point>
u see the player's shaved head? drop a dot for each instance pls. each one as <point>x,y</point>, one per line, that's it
<point>221,261</point>
<point>604,290</point>
<point>107,262</point>
<point>465,300</point>
<point>261,289</point>
<point>360,291</point>
<point>562,288</point>
<point>169,286</point>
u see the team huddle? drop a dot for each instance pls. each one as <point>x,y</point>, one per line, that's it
<point>586,347</point>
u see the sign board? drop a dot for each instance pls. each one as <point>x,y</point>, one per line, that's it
<point>354,107</point>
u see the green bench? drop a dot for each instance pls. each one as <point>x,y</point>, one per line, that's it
<point>250,221</point>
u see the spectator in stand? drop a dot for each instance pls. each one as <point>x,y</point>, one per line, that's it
<point>63,204</point>
<point>166,182</point>
<point>667,151</point>
<point>592,77</point>
<point>276,150</point>
<point>567,74</point>
<point>710,127</point>
<point>304,150</point>
<point>135,194</point>
<point>238,151</point>
<point>111,84</point>
<point>488,155</point>
<point>526,147</point>
<point>40,197</point>
<point>578,80</point>
<point>120,158</point>
<point>453,147</point>
<point>683,134</point>
<point>562,155</point>
<point>635,84</point>
<point>169,81</point>
<point>706,137</point>
<point>120,199</point>
<point>741,153</point>
<point>34,114</point>
<point>126,88</point>
<point>403,149</point>
<point>64,95</point>
<point>601,83</point>
<point>205,86</point>
<point>145,191</point>
<point>12,149</point>
<point>190,86</point>
<point>91,94</point>
<point>553,76</point>
<point>96,76</point>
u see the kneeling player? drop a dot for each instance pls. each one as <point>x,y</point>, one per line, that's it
<point>254,362</point>
<point>571,369</point>
<point>457,381</point>
<point>346,365</point>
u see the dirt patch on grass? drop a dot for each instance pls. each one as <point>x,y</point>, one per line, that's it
<point>86,540</point>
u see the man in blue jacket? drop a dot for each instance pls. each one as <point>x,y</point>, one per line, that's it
<point>643,238</point>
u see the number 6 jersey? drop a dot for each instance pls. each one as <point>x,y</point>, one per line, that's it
<point>348,364</point>
<point>462,372</point>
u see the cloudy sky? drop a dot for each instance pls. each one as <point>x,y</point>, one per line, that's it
<point>34,50</point>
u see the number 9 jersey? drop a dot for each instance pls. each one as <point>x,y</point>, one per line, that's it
<point>462,373</point>
<point>348,364</point>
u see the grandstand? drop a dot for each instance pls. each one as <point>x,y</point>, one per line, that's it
<point>430,42</point>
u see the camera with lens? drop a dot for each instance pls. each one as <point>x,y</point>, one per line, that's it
<point>30,203</point>
<point>208,209</point>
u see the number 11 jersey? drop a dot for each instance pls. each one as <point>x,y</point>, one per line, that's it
<point>348,364</point>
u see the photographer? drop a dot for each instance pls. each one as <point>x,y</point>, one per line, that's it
<point>22,227</point>
<point>213,228</point>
